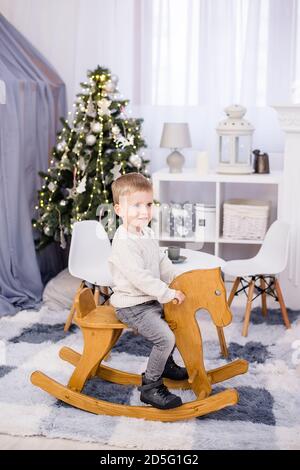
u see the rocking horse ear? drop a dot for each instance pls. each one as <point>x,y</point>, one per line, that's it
<point>84,303</point>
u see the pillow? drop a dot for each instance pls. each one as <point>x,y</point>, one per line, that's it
<point>60,291</point>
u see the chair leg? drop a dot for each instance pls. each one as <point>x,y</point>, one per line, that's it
<point>263,297</point>
<point>282,304</point>
<point>233,290</point>
<point>72,311</point>
<point>97,295</point>
<point>70,318</point>
<point>105,291</point>
<point>248,308</point>
<point>222,341</point>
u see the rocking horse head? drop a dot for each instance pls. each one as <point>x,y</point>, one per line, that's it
<point>203,289</point>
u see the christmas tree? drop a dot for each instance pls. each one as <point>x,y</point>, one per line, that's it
<point>100,144</point>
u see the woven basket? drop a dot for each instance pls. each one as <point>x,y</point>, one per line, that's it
<point>245,219</point>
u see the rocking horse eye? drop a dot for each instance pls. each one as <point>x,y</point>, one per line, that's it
<point>218,292</point>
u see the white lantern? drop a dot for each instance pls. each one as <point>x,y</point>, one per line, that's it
<point>235,142</point>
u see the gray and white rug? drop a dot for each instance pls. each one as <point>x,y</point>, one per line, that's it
<point>266,417</point>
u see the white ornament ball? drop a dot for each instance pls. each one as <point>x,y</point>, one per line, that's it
<point>96,127</point>
<point>110,86</point>
<point>61,146</point>
<point>47,230</point>
<point>135,160</point>
<point>63,202</point>
<point>90,139</point>
<point>52,186</point>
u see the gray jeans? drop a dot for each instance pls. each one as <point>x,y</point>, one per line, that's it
<point>147,319</point>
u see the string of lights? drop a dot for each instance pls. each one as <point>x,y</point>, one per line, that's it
<point>88,156</point>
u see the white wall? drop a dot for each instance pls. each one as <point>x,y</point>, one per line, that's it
<point>57,29</point>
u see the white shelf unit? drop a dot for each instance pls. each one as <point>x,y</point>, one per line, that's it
<point>215,188</point>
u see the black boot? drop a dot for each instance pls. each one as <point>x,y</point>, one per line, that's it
<point>157,395</point>
<point>174,371</point>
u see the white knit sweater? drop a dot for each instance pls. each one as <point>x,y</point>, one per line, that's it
<point>139,270</point>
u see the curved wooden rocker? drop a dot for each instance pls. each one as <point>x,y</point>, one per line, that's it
<point>101,330</point>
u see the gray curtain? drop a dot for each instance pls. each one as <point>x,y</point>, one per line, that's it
<point>35,99</point>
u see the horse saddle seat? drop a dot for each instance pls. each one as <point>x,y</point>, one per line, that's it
<point>103,316</point>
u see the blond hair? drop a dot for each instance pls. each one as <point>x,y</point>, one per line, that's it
<point>128,184</point>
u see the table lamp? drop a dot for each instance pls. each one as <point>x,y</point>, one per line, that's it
<point>175,135</point>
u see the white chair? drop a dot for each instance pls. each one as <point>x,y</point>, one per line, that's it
<point>270,261</point>
<point>88,259</point>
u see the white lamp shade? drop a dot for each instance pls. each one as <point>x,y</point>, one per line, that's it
<point>175,135</point>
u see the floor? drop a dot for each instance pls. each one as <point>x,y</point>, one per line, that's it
<point>42,443</point>
<point>8,442</point>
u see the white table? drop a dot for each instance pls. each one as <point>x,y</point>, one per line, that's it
<point>197,260</point>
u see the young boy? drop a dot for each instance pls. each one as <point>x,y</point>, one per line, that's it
<point>141,275</point>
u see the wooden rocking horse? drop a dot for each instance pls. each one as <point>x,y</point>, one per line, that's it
<point>204,289</point>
